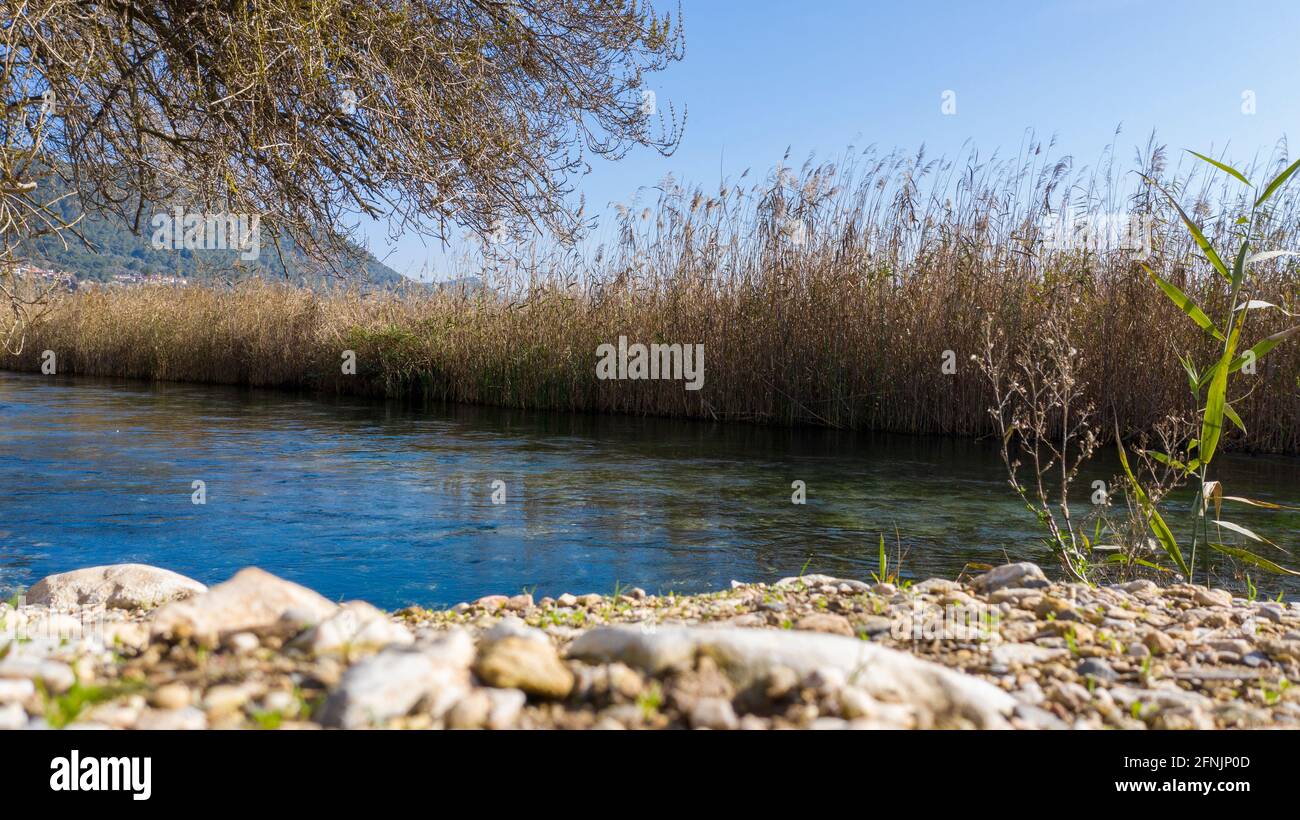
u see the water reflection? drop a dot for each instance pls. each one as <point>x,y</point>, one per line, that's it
<point>393,504</point>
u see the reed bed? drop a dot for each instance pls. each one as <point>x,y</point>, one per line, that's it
<point>826,295</point>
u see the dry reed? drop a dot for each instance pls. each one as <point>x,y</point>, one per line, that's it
<point>824,296</point>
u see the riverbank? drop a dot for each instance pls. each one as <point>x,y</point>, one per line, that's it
<point>790,349</point>
<point>132,646</point>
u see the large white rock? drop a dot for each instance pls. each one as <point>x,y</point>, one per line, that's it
<point>391,683</point>
<point>355,626</point>
<point>121,586</point>
<point>1023,575</point>
<point>940,697</point>
<point>252,600</point>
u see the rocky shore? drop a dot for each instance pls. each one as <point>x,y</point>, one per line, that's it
<point>132,646</point>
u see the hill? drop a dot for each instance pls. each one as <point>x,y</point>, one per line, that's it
<point>119,253</point>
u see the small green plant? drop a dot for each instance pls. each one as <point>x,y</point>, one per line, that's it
<point>883,575</point>
<point>1273,695</point>
<point>64,709</point>
<point>268,719</point>
<point>650,700</point>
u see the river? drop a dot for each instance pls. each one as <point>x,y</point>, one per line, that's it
<point>394,504</point>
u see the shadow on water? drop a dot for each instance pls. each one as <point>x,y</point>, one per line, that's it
<point>393,504</point>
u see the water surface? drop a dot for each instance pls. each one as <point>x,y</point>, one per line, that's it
<point>393,504</point>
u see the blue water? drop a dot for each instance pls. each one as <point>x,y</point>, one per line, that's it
<point>393,504</point>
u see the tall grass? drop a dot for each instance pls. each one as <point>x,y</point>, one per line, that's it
<point>825,295</point>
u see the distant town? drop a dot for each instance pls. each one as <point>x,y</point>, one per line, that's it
<point>69,281</point>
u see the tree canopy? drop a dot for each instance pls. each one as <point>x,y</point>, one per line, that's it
<point>434,113</point>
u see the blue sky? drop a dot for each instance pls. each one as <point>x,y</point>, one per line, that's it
<point>821,75</point>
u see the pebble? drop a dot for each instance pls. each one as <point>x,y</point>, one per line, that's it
<point>521,663</point>
<point>713,713</point>
<point>170,696</point>
<point>810,651</point>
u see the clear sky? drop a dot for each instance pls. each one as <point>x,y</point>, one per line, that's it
<point>820,75</point>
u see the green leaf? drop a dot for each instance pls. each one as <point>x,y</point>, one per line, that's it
<point>1263,346</point>
<point>1212,423</point>
<point>1277,182</point>
<point>1240,530</point>
<point>1216,397</point>
<point>1233,417</point>
<point>1195,230</point>
<point>1225,168</point>
<point>1154,520</point>
<point>1193,378</point>
<point>1169,461</point>
<point>1142,562</point>
<point>1252,558</point>
<point>1185,304</point>
<point>1239,265</point>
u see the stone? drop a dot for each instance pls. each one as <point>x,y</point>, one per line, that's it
<point>713,713</point>
<point>1158,642</point>
<point>118,586</point>
<point>826,680</point>
<point>1163,698</point>
<point>1213,597</point>
<point>225,697</point>
<point>125,634</point>
<point>941,697</point>
<point>391,683</point>
<point>936,586</point>
<point>12,717</point>
<point>1025,654</point>
<point>187,718</point>
<point>817,580</point>
<point>780,682</point>
<point>825,622</point>
<point>520,663</point>
<point>567,600</point>
<point>356,625</point>
<point>1237,646</point>
<point>1053,607</point>
<point>855,703</point>
<point>1022,575</point>
<point>1034,717</point>
<point>170,696</point>
<point>57,676</point>
<point>512,627</point>
<point>505,707</point>
<point>252,600</point>
<point>454,647</point>
<point>16,689</point>
<point>492,602</point>
<point>243,642</point>
<point>519,603</point>
<point>471,711</point>
<point>1138,587</point>
<point>114,715</point>
<point>1096,668</point>
<point>874,625</point>
<point>1014,595</point>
